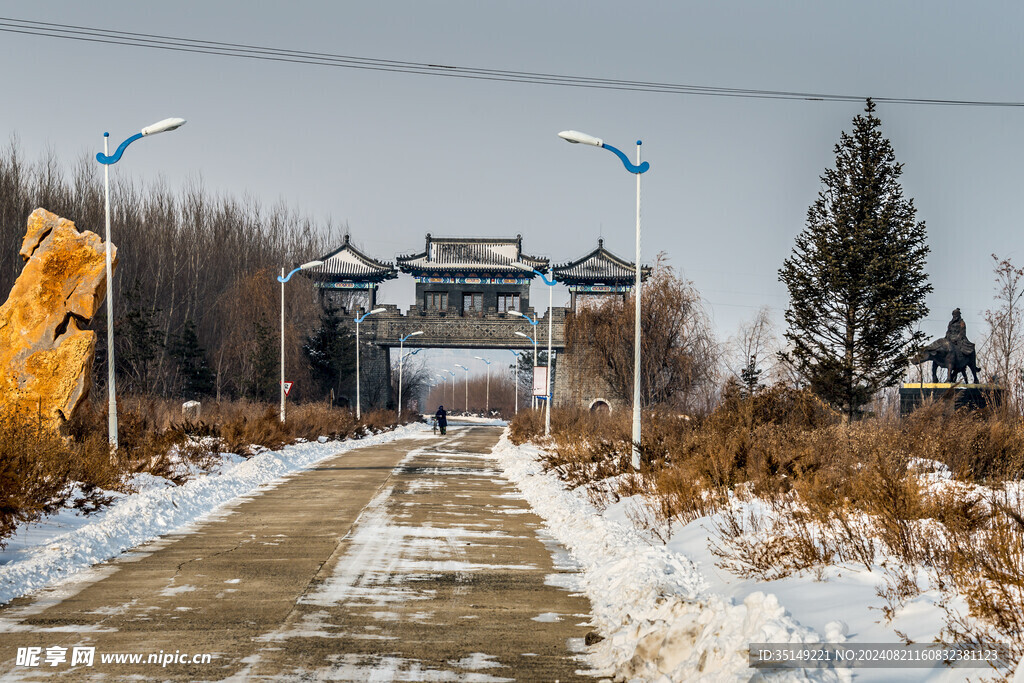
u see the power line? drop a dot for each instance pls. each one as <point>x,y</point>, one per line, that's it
<point>284,55</point>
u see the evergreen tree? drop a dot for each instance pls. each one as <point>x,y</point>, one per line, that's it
<point>194,373</point>
<point>750,377</point>
<point>138,341</point>
<point>330,351</point>
<point>856,276</point>
<point>263,382</point>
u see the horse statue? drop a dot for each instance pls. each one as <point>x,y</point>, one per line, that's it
<point>942,353</point>
<point>954,352</point>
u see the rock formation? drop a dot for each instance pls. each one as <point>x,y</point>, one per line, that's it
<point>45,355</point>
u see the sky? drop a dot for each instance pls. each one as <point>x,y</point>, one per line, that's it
<point>394,156</point>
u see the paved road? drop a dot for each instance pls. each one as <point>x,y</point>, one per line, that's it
<point>413,560</point>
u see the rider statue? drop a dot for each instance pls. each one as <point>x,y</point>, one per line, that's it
<point>954,352</point>
<point>956,333</point>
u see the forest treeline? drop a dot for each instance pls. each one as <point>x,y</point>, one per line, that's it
<point>196,298</point>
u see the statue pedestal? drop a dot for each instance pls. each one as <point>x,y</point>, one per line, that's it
<point>956,396</point>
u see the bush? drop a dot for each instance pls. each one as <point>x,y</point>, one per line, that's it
<point>41,471</point>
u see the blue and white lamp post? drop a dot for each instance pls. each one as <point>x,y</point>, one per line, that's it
<point>401,365</point>
<point>515,380</point>
<point>533,322</point>
<point>359,319</point>
<point>107,160</point>
<point>638,169</point>
<point>452,373</point>
<point>283,279</point>
<point>487,400</point>
<point>551,289</point>
<point>465,384</point>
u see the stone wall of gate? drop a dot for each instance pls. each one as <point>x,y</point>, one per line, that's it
<point>381,332</point>
<point>490,330</point>
<point>578,382</point>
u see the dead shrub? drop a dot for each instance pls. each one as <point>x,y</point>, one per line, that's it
<point>34,471</point>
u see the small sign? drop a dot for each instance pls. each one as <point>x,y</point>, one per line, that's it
<point>540,381</point>
<point>287,387</point>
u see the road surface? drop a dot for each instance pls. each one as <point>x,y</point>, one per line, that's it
<point>412,560</point>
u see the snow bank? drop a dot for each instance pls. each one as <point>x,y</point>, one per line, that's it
<point>41,554</point>
<point>658,619</point>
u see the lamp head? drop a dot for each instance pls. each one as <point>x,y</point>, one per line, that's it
<point>311,264</point>
<point>523,334</point>
<point>516,313</point>
<point>413,334</point>
<point>163,126</point>
<point>376,310</point>
<point>576,137</point>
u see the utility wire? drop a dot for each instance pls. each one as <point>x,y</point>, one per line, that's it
<point>273,54</point>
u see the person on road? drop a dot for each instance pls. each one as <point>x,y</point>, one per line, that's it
<point>442,419</point>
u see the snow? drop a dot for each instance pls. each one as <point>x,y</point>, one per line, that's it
<point>68,543</point>
<point>668,612</point>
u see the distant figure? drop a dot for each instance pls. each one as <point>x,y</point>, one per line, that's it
<point>956,333</point>
<point>442,419</point>
<point>954,352</point>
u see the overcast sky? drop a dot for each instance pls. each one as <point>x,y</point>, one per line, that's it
<point>396,155</point>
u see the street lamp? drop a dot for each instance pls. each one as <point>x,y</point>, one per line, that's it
<point>360,319</point>
<point>515,380</point>
<point>637,170</point>
<point>551,289</point>
<point>401,363</point>
<point>452,373</point>
<point>283,279</point>
<point>487,401</point>
<point>533,322</point>
<point>107,162</point>
<point>465,383</point>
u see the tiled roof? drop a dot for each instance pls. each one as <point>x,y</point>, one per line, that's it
<point>348,263</point>
<point>599,266</point>
<point>470,254</point>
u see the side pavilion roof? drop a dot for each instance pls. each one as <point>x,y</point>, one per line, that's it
<point>599,267</point>
<point>348,263</point>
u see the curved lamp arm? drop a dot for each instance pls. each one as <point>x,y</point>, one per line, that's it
<point>576,137</point>
<point>304,266</point>
<point>523,334</point>
<point>532,321</point>
<point>158,127</point>
<point>411,334</point>
<point>116,156</point>
<point>361,318</point>
<point>522,266</point>
<point>642,168</point>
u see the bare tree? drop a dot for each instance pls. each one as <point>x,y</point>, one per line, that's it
<point>1004,344</point>
<point>680,356</point>
<point>752,354</point>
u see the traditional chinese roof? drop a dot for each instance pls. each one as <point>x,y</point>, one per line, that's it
<point>599,267</point>
<point>349,264</point>
<point>470,255</point>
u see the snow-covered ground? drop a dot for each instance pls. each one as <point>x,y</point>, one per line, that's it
<point>668,612</point>
<point>61,545</point>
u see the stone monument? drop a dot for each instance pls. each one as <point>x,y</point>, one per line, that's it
<point>45,354</point>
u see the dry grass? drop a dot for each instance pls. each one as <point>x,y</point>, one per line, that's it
<point>40,471</point>
<point>821,491</point>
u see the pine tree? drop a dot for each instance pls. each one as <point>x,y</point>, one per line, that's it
<point>193,371</point>
<point>856,276</point>
<point>750,378</point>
<point>263,382</point>
<point>330,351</point>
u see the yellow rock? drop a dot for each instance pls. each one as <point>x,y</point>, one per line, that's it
<point>45,355</point>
